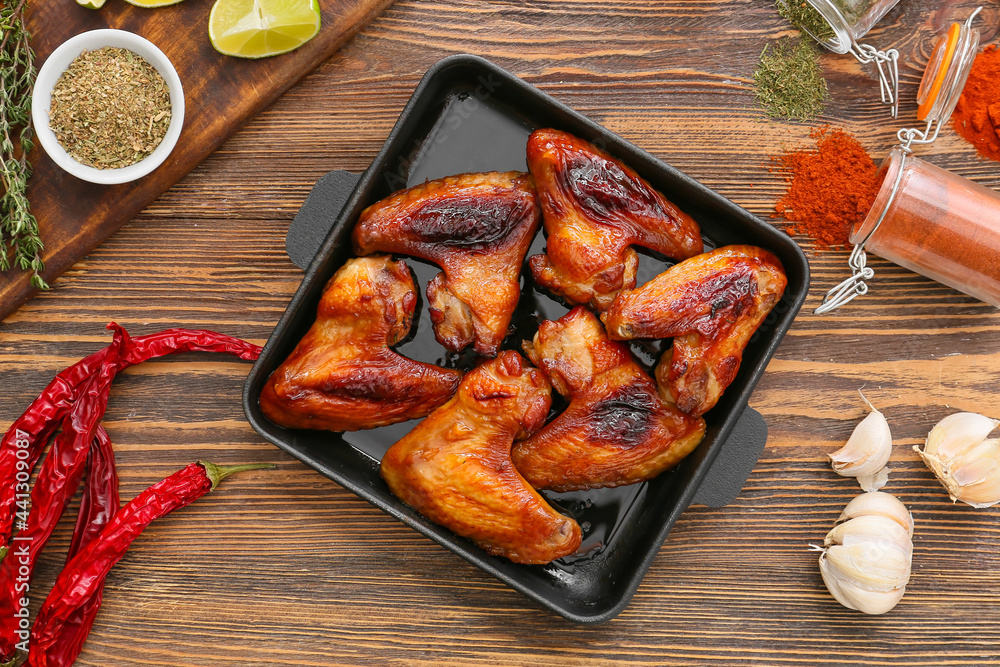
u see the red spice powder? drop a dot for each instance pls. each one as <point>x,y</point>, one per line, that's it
<point>977,115</point>
<point>830,187</point>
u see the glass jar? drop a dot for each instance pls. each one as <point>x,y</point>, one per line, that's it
<point>947,71</point>
<point>937,224</point>
<point>840,24</point>
<point>925,218</point>
<point>849,20</point>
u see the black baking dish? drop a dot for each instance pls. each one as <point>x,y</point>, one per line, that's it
<point>469,115</point>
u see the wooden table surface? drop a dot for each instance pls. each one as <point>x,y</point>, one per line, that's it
<point>284,567</point>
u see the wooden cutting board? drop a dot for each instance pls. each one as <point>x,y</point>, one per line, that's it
<point>220,94</point>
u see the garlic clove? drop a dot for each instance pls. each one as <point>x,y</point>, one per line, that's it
<point>956,433</point>
<point>834,585</point>
<point>880,504</point>
<point>858,599</point>
<point>873,566</point>
<point>874,602</point>
<point>975,464</point>
<point>866,452</point>
<point>879,532</point>
<point>977,474</point>
<point>963,460</point>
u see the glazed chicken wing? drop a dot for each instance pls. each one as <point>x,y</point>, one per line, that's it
<point>595,208</point>
<point>342,376</point>
<point>477,228</point>
<point>455,468</point>
<point>711,305</point>
<point>617,430</point>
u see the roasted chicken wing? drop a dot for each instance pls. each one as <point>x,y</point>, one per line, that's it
<point>455,468</point>
<point>595,208</point>
<point>342,376</point>
<point>477,228</point>
<point>617,430</point>
<point>711,305</point>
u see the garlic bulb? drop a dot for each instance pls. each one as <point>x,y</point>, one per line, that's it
<point>866,452</point>
<point>966,463</point>
<point>865,562</point>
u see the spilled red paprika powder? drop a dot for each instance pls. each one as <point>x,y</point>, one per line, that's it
<point>830,187</point>
<point>977,114</point>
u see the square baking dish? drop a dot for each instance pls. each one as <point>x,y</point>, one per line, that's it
<point>467,115</point>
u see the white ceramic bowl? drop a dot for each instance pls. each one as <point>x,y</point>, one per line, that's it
<point>57,63</point>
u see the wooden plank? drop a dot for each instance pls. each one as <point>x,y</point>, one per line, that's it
<point>220,94</point>
<point>285,568</point>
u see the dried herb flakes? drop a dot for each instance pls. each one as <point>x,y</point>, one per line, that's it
<point>806,17</point>
<point>788,79</point>
<point>110,108</point>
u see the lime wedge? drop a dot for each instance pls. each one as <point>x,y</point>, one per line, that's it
<point>261,28</point>
<point>140,3</point>
<point>91,4</point>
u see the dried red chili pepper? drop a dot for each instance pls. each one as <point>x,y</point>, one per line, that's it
<point>99,503</point>
<point>25,440</point>
<point>77,396</point>
<point>100,499</point>
<point>57,481</point>
<point>86,572</point>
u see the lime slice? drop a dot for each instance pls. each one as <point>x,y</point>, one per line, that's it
<point>91,4</point>
<point>261,28</point>
<point>139,3</point>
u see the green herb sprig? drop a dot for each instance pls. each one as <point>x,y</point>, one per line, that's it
<point>18,227</point>
<point>789,81</point>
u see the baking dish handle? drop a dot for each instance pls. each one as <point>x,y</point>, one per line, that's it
<point>320,210</point>
<point>735,461</point>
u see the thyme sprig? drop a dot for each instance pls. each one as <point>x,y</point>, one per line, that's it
<point>18,227</point>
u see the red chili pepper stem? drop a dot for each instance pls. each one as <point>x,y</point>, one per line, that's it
<point>216,474</point>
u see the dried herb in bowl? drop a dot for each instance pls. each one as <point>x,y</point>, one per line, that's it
<point>110,108</point>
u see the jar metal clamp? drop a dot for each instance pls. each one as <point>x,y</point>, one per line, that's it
<point>844,23</point>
